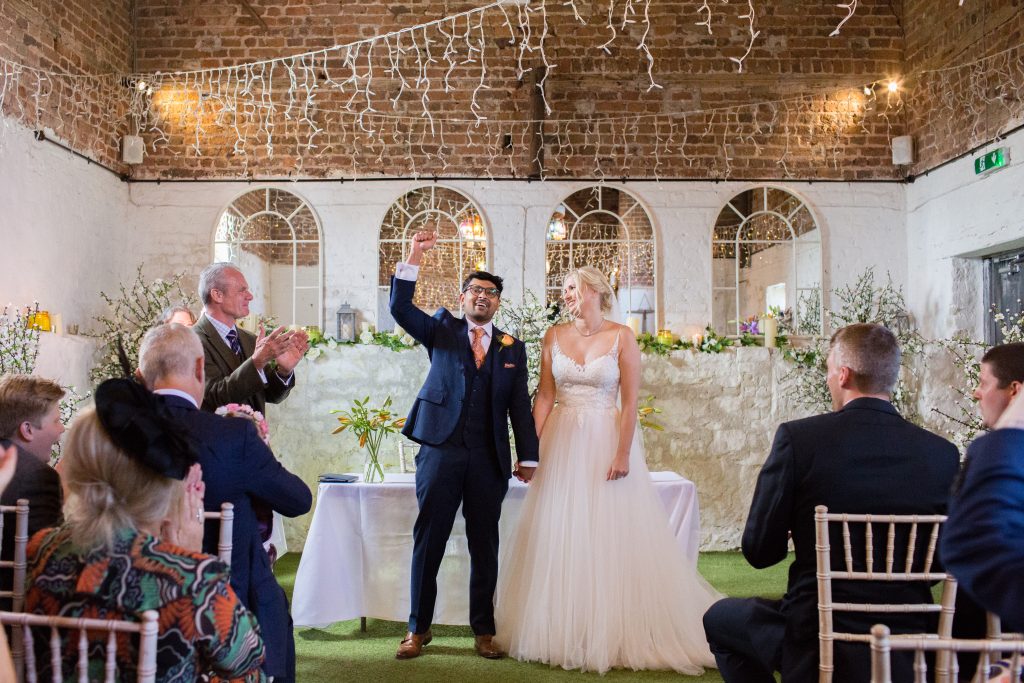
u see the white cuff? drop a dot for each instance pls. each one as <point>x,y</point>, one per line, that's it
<point>263,376</point>
<point>405,271</point>
<point>527,463</point>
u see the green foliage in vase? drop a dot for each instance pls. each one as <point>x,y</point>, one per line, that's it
<point>370,425</point>
<point>132,313</point>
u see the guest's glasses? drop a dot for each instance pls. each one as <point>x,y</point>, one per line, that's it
<point>477,290</point>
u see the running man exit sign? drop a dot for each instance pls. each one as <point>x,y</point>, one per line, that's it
<point>997,158</point>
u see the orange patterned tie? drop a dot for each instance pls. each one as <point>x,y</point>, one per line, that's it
<point>478,347</point>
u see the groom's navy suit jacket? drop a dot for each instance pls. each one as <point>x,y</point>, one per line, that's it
<point>238,467</point>
<point>438,406</point>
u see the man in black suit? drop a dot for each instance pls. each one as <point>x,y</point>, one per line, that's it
<point>477,384</point>
<point>861,458</point>
<point>237,468</point>
<point>30,420</point>
<point>240,365</point>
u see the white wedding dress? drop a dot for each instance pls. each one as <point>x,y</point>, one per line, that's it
<point>593,578</point>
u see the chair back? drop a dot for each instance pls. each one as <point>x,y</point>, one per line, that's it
<point>908,555</point>
<point>407,451</point>
<point>989,651</point>
<point>227,525</point>
<point>17,565</point>
<point>147,630</point>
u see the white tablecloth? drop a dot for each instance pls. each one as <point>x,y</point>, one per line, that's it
<point>356,559</point>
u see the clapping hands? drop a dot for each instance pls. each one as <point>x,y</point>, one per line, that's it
<point>285,346</point>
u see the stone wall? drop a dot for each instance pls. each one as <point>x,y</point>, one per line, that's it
<point>720,414</point>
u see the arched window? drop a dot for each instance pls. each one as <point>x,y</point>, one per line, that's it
<point>607,228</point>
<point>766,254</point>
<point>273,236</point>
<point>461,245</point>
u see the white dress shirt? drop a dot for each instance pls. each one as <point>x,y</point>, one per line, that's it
<point>178,393</point>
<point>406,271</point>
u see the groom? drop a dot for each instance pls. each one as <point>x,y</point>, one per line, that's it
<point>476,384</point>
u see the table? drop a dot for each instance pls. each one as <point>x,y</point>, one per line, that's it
<point>357,554</point>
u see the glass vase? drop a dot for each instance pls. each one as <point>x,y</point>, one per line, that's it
<point>373,473</point>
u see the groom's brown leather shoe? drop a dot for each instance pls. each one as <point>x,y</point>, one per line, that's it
<point>485,647</point>
<point>413,644</point>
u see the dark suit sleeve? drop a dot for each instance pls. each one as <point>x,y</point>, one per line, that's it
<point>766,536</point>
<point>519,411</point>
<point>45,500</point>
<point>276,389</point>
<point>418,324</point>
<point>981,543</point>
<point>267,479</point>
<point>236,387</point>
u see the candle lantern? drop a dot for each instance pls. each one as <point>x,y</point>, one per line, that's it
<point>39,320</point>
<point>346,324</point>
<point>666,337</point>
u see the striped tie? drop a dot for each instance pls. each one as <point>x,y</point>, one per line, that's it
<point>234,343</point>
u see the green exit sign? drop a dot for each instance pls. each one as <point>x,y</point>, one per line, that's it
<point>997,158</point>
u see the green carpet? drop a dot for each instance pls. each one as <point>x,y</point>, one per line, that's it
<point>344,653</point>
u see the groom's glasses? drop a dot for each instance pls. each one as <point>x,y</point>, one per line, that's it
<point>477,290</point>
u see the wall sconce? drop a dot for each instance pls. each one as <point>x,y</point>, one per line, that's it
<point>346,324</point>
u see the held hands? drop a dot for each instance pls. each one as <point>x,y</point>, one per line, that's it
<point>422,241</point>
<point>619,468</point>
<point>185,526</point>
<point>524,474</point>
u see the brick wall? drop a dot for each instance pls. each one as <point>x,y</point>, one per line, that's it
<point>946,127</point>
<point>830,133</point>
<point>78,37</point>
<point>792,55</point>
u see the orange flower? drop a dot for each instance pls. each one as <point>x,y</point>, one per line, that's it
<point>506,340</point>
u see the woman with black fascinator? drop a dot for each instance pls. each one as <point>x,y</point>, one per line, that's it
<point>131,542</point>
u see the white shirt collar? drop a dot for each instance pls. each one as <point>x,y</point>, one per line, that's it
<point>488,327</point>
<point>221,328</point>
<point>178,393</point>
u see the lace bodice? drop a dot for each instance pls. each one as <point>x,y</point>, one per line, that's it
<point>595,384</point>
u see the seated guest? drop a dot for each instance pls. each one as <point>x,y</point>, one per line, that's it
<point>981,543</point>
<point>1000,379</point>
<point>177,314</point>
<point>29,420</point>
<point>861,458</point>
<point>239,469</point>
<point>131,542</point>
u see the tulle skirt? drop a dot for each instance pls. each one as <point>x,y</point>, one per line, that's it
<point>593,578</point>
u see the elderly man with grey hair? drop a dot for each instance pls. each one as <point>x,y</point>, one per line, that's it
<point>236,360</point>
<point>238,468</point>
<point>861,458</point>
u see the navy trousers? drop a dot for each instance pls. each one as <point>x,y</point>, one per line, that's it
<point>445,477</point>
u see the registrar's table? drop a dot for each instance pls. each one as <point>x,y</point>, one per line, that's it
<point>357,554</point>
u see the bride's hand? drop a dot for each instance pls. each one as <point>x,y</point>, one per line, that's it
<point>619,468</point>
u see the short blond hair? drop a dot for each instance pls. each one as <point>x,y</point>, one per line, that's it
<point>588,277</point>
<point>25,397</point>
<point>108,490</point>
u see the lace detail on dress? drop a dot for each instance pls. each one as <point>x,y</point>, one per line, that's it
<point>594,384</point>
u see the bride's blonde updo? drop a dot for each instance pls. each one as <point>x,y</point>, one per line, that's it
<point>588,277</point>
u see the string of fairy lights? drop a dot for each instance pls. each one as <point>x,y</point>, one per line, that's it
<point>397,96</point>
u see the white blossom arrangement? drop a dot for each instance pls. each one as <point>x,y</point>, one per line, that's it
<point>132,314</point>
<point>19,341</point>
<point>528,322</point>
<point>862,302</point>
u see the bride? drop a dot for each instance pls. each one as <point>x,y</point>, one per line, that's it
<point>593,577</point>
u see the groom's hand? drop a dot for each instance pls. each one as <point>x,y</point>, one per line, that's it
<point>524,474</point>
<point>422,241</point>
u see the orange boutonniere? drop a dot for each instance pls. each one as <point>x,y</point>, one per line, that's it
<point>506,340</point>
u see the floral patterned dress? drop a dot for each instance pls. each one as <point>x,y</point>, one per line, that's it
<point>205,632</point>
